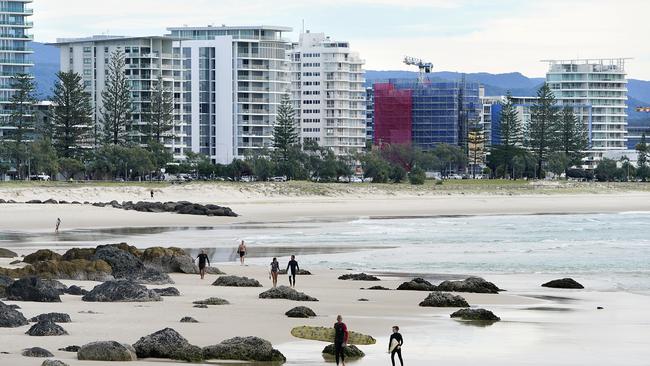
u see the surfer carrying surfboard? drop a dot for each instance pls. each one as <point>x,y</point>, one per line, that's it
<point>395,345</point>
<point>340,339</point>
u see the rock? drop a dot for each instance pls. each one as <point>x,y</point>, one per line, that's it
<point>200,306</point>
<point>476,315</point>
<point>443,299</point>
<point>181,207</point>
<point>11,318</point>
<point>58,286</point>
<point>301,272</point>
<point>76,290</point>
<point>350,351</point>
<point>13,263</point>
<point>80,270</point>
<point>359,277</point>
<point>243,349</point>
<point>472,284</point>
<point>377,288</point>
<point>51,201</point>
<point>300,312</point>
<point>46,328</point>
<point>284,292</point>
<point>235,281</point>
<point>70,349</point>
<point>169,260</point>
<point>6,253</point>
<point>188,319</point>
<point>37,352</point>
<point>107,351</point>
<point>169,291</point>
<point>211,301</point>
<point>417,284</point>
<point>126,265</point>
<point>53,363</point>
<point>599,308</point>
<point>53,317</point>
<point>42,255</point>
<point>167,343</point>
<point>34,201</point>
<point>564,283</point>
<point>6,281</point>
<point>79,253</point>
<point>214,271</point>
<point>363,300</point>
<point>32,289</point>
<point>121,291</point>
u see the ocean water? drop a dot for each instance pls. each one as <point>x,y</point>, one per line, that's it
<point>612,250</point>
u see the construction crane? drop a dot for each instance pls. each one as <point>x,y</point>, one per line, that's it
<point>425,67</point>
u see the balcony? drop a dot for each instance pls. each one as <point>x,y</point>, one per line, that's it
<point>12,10</point>
<point>25,37</point>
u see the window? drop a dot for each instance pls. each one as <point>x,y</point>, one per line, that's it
<point>88,61</point>
<point>87,49</point>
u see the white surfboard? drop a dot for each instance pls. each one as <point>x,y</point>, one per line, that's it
<point>393,344</point>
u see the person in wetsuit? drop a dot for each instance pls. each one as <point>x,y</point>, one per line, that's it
<point>275,268</point>
<point>398,350</point>
<point>292,270</point>
<point>340,339</point>
<point>202,258</point>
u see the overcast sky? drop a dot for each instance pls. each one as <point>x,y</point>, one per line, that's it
<point>456,35</point>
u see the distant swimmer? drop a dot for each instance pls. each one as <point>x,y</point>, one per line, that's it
<point>58,223</point>
<point>340,339</point>
<point>242,252</point>
<point>395,345</point>
<point>292,270</point>
<point>275,268</point>
<point>151,194</point>
<point>203,258</point>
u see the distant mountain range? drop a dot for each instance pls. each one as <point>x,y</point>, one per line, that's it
<point>46,61</point>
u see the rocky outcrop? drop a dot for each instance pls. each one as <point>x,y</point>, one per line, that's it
<point>121,291</point>
<point>107,351</point>
<point>284,292</point>
<point>568,283</point>
<point>181,207</point>
<point>11,318</point>
<point>53,363</point>
<point>37,352</point>
<point>350,351</point>
<point>169,291</point>
<point>53,317</point>
<point>42,255</point>
<point>475,315</point>
<point>359,277</point>
<point>188,319</point>
<point>235,281</point>
<point>300,312</point>
<point>243,349</point>
<point>74,349</point>
<point>301,272</point>
<point>80,270</point>
<point>472,284</point>
<point>378,288</point>
<point>211,301</point>
<point>169,260</point>
<point>76,291</point>
<point>5,281</point>
<point>126,265</point>
<point>417,284</point>
<point>32,289</point>
<point>443,299</point>
<point>6,253</point>
<point>167,343</point>
<point>46,328</point>
<point>79,253</point>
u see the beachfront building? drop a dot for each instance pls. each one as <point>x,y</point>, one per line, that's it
<point>147,59</point>
<point>15,54</point>
<point>370,115</point>
<point>328,93</point>
<point>597,91</point>
<point>425,114</point>
<point>491,116</point>
<point>234,81</point>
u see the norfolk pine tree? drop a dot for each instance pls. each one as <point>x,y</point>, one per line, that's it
<point>511,134</point>
<point>71,114</point>
<point>116,100</point>
<point>285,134</point>
<point>161,118</point>
<point>541,130</point>
<point>571,137</point>
<point>21,120</point>
<point>642,170</point>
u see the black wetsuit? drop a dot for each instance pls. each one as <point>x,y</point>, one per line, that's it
<point>398,349</point>
<point>292,270</point>
<point>202,259</point>
<point>340,337</point>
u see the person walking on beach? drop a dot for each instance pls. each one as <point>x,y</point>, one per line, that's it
<point>151,194</point>
<point>203,258</point>
<point>395,346</point>
<point>242,252</point>
<point>340,339</point>
<point>275,268</point>
<point>292,270</point>
<point>58,223</point>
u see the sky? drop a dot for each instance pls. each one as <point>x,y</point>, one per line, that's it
<point>495,36</point>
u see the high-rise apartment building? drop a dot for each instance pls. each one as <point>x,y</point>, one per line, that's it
<point>147,60</point>
<point>327,89</point>
<point>370,114</point>
<point>234,81</point>
<point>15,54</point>
<point>597,91</point>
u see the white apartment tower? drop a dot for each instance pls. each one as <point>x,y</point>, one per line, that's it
<point>597,91</point>
<point>147,59</point>
<point>235,79</point>
<point>14,50</point>
<point>328,93</point>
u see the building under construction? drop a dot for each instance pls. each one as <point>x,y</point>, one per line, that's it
<point>425,113</point>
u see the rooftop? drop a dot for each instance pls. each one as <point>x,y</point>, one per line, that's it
<point>224,27</point>
<point>105,38</point>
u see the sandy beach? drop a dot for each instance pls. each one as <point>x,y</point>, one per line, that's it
<point>539,326</point>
